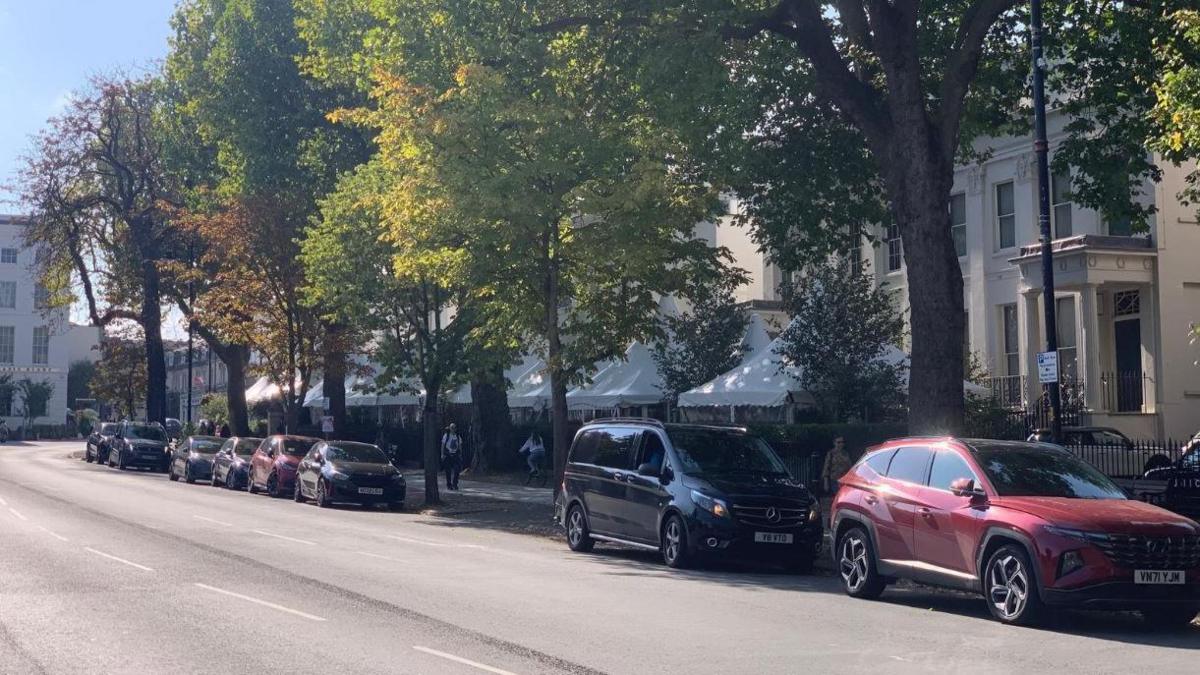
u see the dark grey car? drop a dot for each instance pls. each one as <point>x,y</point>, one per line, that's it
<point>192,458</point>
<point>231,464</point>
<point>137,444</point>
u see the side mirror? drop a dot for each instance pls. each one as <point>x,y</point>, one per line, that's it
<point>666,476</point>
<point>649,469</point>
<point>965,487</point>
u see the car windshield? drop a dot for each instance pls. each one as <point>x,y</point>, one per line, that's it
<point>356,452</point>
<point>146,432</point>
<point>717,452</point>
<point>108,429</point>
<point>206,446</point>
<point>297,447</point>
<point>1043,471</point>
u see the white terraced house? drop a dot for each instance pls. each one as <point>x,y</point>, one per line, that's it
<point>1125,301</point>
<point>34,342</point>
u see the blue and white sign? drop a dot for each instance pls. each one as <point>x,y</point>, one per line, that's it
<point>1047,367</point>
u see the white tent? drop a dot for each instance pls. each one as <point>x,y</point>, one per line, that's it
<point>762,379</point>
<point>263,389</point>
<point>361,391</point>
<point>512,374</point>
<point>756,337</point>
<point>531,387</point>
<point>634,381</point>
<point>315,398</point>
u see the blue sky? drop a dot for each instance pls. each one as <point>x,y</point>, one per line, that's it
<point>48,48</point>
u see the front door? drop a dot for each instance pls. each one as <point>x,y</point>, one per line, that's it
<point>894,505</point>
<point>946,524</point>
<point>645,495</point>
<point>1127,343</point>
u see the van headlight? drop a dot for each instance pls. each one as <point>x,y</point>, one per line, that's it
<point>713,505</point>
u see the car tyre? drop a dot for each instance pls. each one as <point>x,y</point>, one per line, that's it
<point>1170,618</point>
<point>676,552</point>
<point>855,560</point>
<point>579,537</point>
<point>171,473</point>
<point>273,486</point>
<point>322,499</point>
<point>87,455</point>
<point>250,483</point>
<point>1010,587</point>
<point>297,495</point>
<point>187,474</point>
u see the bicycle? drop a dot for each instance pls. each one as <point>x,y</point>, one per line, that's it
<point>536,471</point>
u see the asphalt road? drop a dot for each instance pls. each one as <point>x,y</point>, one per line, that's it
<point>103,571</point>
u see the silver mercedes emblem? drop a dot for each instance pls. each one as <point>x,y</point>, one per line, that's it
<point>772,514</point>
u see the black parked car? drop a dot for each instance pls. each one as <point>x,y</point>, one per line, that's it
<point>96,449</point>
<point>137,444</point>
<point>341,471</point>
<point>232,462</point>
<point>687,491</point>
<point>1182,494</point>
<point>192,458</point>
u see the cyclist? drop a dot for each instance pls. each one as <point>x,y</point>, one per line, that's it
<point>536,450</point>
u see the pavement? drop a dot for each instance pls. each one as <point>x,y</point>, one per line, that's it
<point>104,571</point>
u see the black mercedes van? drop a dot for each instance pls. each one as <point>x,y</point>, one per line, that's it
<point>688,491</point>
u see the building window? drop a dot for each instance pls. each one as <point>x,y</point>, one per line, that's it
<point>7,342</point>
<point>1068,354</point>
<point>1060,198</point>
<point>1012,341</point>
<point>1006,216</point>
<point>41,297</point>
<point>8,295</point>
<point>958,223</point>
<point>1122,227</point>
<point>895,248</point>
<point>1126,303</point>
<point>41,345</point>
<point>8,256</point>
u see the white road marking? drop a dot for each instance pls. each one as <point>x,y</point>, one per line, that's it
<point>213,520</point>
<point>53,534</point>
<point>424,542</point>
<point>466,662</point>
<point>280,536</point>
<point>120,560</point>
<point>256,601</point>
<point>381,557</point>
<point>17,513</point>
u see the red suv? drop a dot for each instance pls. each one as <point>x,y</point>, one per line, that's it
<point>1026,525</point>
<point>273,464</point>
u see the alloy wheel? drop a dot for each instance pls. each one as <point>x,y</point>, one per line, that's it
<point>852,565</point>
<point>1008,586</point>
<point>673,543</point>
<point>575,527</point>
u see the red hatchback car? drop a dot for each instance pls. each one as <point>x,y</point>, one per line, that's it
<point>273,465</point>
<point>1026,525</point>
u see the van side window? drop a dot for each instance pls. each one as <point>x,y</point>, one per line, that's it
<point>653,451</point>
<point>584,450</point>
<point>615,448</point>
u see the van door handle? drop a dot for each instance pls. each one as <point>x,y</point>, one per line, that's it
<point>925,513</point>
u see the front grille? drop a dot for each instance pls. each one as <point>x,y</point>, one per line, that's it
<point>1151,553</point>
<point>370,480</point>
<point>760,515</point>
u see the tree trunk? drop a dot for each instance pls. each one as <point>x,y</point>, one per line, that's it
<point>432,444</point>
<point>554,362</point>
<point>334,372</point>
<point>156,364</point>
<point>236,357</point>
<point>919,183</point>
<point>491,423</point>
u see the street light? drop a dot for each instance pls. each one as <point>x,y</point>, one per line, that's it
<point>1043,171</point>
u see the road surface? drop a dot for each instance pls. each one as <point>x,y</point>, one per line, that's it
<point>104,571</point>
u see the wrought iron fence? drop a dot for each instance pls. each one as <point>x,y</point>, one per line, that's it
<point>1124,391</point>
<point>1123,458</point>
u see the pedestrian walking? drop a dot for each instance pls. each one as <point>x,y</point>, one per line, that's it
<point>535,454</point>
<point>837,463</point>
<point>452,456</point>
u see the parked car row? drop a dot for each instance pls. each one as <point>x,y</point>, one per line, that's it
<point>301,467</point>
<point>1028,526</point>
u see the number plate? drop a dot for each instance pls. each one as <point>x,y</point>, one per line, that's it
<point>370,491</point>
<point>1156,577</point>
<point>772,538</point>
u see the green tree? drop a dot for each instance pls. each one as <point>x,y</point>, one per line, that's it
<point>269,154</point>
<point>828,118</point>
<point>215,408</point>
<point>35,396</point>
<point>568,216</point>
<point>842,326</point>
<point>704,341</point>
<point>1177,92</point>
<point>97,188</point>
<point>120,374</point>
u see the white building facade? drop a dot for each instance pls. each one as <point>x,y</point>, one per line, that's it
<point>1125,301</point>
<point>34,342</point>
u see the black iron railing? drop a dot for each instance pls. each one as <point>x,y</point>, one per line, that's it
<point>1124,391</point>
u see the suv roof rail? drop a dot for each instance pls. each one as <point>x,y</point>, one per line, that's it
<point>623,420</point>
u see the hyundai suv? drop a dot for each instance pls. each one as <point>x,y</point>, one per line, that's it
<point>687,491</point>
<point>1026,525</point>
